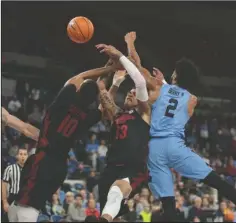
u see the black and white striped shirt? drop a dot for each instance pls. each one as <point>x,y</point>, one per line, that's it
<point>12,176</point>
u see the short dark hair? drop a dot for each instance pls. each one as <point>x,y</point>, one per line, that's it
<point>88,92</point>
<point>78,195</point>
<point>187,74</point>
<point>21,148</point>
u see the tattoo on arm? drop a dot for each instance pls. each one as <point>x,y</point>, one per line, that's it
<point>108,104</point>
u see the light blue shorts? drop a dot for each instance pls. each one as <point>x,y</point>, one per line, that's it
<point>166,153</point>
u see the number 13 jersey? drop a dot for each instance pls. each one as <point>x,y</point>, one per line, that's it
<point>129,139</point>
<point>170,112</point>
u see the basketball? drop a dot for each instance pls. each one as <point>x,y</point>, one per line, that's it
<point>80,29</point>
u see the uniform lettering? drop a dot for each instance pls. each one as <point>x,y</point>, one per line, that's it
<point>173,92</point>
<point>121,131</point>
<point>67,126</point>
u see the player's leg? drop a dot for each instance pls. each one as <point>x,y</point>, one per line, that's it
<point>191,165</point>
<point>119,189</point>
<point>160,177</point>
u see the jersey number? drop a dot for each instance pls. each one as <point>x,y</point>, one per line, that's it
<point>173,105</point>
<point>67,126</point>
<point>121,131</point>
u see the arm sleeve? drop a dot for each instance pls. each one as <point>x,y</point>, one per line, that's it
<point>6,175</point>
<point>137,77</point>
<point>65,97</point>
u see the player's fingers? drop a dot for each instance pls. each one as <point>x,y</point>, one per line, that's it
<point>102,45</point>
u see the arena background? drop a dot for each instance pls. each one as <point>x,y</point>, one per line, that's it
<point>38,57</point>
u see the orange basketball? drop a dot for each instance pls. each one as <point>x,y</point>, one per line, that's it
<point>80,29</point>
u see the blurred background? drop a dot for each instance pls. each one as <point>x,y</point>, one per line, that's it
<point>38,57</point>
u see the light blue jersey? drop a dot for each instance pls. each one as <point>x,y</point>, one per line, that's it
<point>170,112</point>
<point>167,147</point>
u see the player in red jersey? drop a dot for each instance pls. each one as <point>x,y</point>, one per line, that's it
<point>129,136</point>
<point>66,119</point>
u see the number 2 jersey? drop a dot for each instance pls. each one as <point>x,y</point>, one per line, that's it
<point>129,138</point>
<point>170,112</point>
<point>65,121</point>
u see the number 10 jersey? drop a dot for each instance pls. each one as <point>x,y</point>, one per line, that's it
<point>170,112</point>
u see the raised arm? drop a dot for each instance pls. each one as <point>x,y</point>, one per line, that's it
<point>107,106</point>
<point>150,80</point>
<point>132,70</point>
<point>118,78</point>
<point>25,128</point>
<point>90,74</point>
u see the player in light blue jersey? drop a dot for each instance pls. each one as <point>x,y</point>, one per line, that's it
<point>171,110</point>
<point>172,106</point>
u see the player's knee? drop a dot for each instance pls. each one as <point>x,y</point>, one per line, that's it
<point>124,186</point>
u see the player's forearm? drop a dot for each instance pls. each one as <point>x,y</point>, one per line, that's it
<point>133,53</point>
<point>133,72</point>
<point>95,73</point>
<point>90,74</point>
<point>112,91</point>
<point>108,103</point>
<point>4,191</point>
<point>31,132</point>
<point>16,123</point>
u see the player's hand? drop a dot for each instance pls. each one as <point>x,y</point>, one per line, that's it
<point>158,75</point>
<point>5,206</point>
<point>111,51</point>
<point>130,37</point>
<point>119,77</point>
<point>101,84</point>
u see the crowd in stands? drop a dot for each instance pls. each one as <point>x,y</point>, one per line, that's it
<point>214,138</point>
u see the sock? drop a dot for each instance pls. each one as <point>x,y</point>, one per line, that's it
<point>224,188</point>
<point>114,198</point>
<point>168,205</point>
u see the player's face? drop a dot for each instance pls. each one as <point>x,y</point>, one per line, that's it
<point>131,100</point>
<point>22,156</point>
<point>173,78</point>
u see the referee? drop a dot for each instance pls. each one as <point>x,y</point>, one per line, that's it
<point>11,179</point>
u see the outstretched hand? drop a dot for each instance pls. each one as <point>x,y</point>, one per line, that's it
<point>130,37</point>
<point>111,51</point>
<point>158,75</point>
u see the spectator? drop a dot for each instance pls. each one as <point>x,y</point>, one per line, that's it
<point>102,151</point>
<point>69,200</point>
<point>156,212</point>
<point>14,105</point>
<point>57,208</point>
<point>146,214</point>
<point>92,148</point>
<point>91,210</point>
<point>131,216</point>
<point>205,204</point>
<point>196,210</point>
<point>83,193</point>
<point>139,203</point>
<point>145,193</point>
<point>220,213</point>
<point>91,181</point>
<point>76,212</point>
<point>35,117</point>
<point>181,210</point>
<point>230,169</point>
